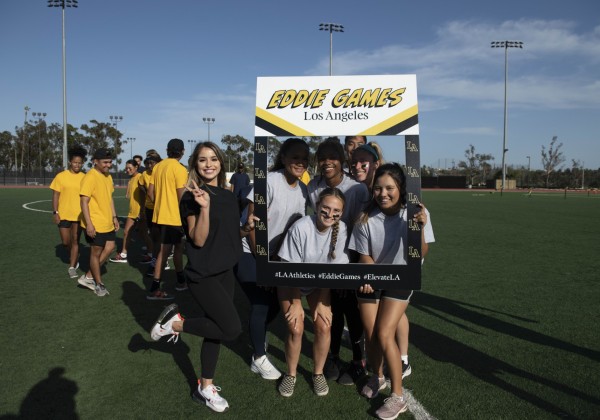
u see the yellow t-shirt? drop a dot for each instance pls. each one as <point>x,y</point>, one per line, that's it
<point>67,184</point>
<point>99,188</point>
<point>135,196</point>
<point>305,178</point>
<point>167,176</point>
<point>144,181</point>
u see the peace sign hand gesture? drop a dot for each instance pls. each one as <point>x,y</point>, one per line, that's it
<point>200,196</point>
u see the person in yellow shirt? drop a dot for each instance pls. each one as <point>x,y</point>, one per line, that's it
<point>147,211</point>
<point>66,209</point>
<point>99,218</point>
<point>135,196</point>
<point>166,188</point>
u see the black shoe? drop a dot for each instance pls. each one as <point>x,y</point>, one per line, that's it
<point>353,374</point>
<point>406,370</point>
<point>332,368</point>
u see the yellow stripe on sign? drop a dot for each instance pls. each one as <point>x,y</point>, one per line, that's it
<point>281,123</point>
<point>392,121</point>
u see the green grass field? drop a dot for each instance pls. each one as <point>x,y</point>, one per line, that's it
<point>506,326</point>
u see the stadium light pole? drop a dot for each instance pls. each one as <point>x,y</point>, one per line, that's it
<point>40,116</point>
<point>63,4</point>
<point>331,27</point>
<point>208,121</point>
<point>506,45</point>
<point>131,140</point>
<point>528,168</point>
<point>114,121</point>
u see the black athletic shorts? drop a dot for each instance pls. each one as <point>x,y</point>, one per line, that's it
<point>149,214</point>
<point>387,294</point>
<point>66,224</point>
<point>170,235</point>
<point>101,238</point>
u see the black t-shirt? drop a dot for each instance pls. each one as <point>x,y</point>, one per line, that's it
<point>223,246</point>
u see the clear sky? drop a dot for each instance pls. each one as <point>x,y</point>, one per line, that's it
<point>164,65</point>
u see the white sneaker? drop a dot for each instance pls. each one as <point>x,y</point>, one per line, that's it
<point>264,368</point>
<point>210,396</point>
<point>101,290</point>
<point>164,324</point>
<point>73,272</point>
<point>87,282</point>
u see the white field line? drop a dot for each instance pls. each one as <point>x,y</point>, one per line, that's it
<point>416,408</point>
<point>26,205</point>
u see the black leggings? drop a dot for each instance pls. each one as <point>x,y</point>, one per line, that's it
<point>220,321</point>
<point>344,303</point>
<point>264,305</point>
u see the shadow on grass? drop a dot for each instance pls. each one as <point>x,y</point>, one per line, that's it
<point>429,303</point>
<point>51,398</point>
<point>145,313</point>
<point>489,369</point>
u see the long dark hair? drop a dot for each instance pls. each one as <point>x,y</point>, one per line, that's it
<point>285,148</point>
<point>395,171</point>
<point>193,174</point>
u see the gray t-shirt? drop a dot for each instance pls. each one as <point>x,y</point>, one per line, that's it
<point>285,205</point>
<point>305,244</point>
<point>384,237</point>
<point>356,194</point>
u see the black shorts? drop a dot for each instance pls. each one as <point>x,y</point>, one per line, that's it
<point>66,224</point>
<point>387,294</point>
<point>170,235</point>
<point>149,213</point>
<point>101,238</point>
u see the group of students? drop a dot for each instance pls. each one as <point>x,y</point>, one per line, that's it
<point>358,215</point>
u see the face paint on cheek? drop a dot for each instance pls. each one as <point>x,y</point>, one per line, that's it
<point>334,216</point>
<point>365,167</point>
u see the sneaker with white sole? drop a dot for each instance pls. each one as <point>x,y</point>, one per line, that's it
<point>73,272</point>
<point>87,282</point>
<point>119,258</point>
<point>286,386</point>
<point>406,370</point>
<point>392,407</point>
<point>373,386</point>
<point>164,324</point>
<point>181,287</point>
<point>264,368</point>
<point>210,396</point>
<point>101,290</point>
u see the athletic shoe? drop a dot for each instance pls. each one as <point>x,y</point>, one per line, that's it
<point>286,386</point>
<point>392,407</point>
<point>119,258</point>
<point>210,396</point>
<point>264,368</point>
<point>101,290</point>
<point>146,259</point>
<point>353,374</point>
<point>181,287</point>
<point>373,386</point>
<point>86,282</point>
<point>406,370</point>
<point>332,368</point>
<point>159,295</point>
<point>320,385</point>
<point>164,324</point>
<point>170,257</point>
<point>73,272</point>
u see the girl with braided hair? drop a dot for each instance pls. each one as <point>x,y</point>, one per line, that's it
<point>320,238</point>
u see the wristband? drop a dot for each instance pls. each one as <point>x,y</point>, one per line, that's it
<point>54,212</point>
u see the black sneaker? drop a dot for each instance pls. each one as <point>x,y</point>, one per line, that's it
<point>353,374</point>
<point>406,370</point>
<point>332,368</point>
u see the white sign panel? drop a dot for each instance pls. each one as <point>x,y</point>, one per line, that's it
<point>337,105</point>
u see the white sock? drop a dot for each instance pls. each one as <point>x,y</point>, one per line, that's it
<point>405,359</point>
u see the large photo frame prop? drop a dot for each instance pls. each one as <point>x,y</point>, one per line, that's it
<point>375,105</point>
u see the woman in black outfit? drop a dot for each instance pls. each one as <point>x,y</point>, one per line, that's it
<point>210,217</point>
